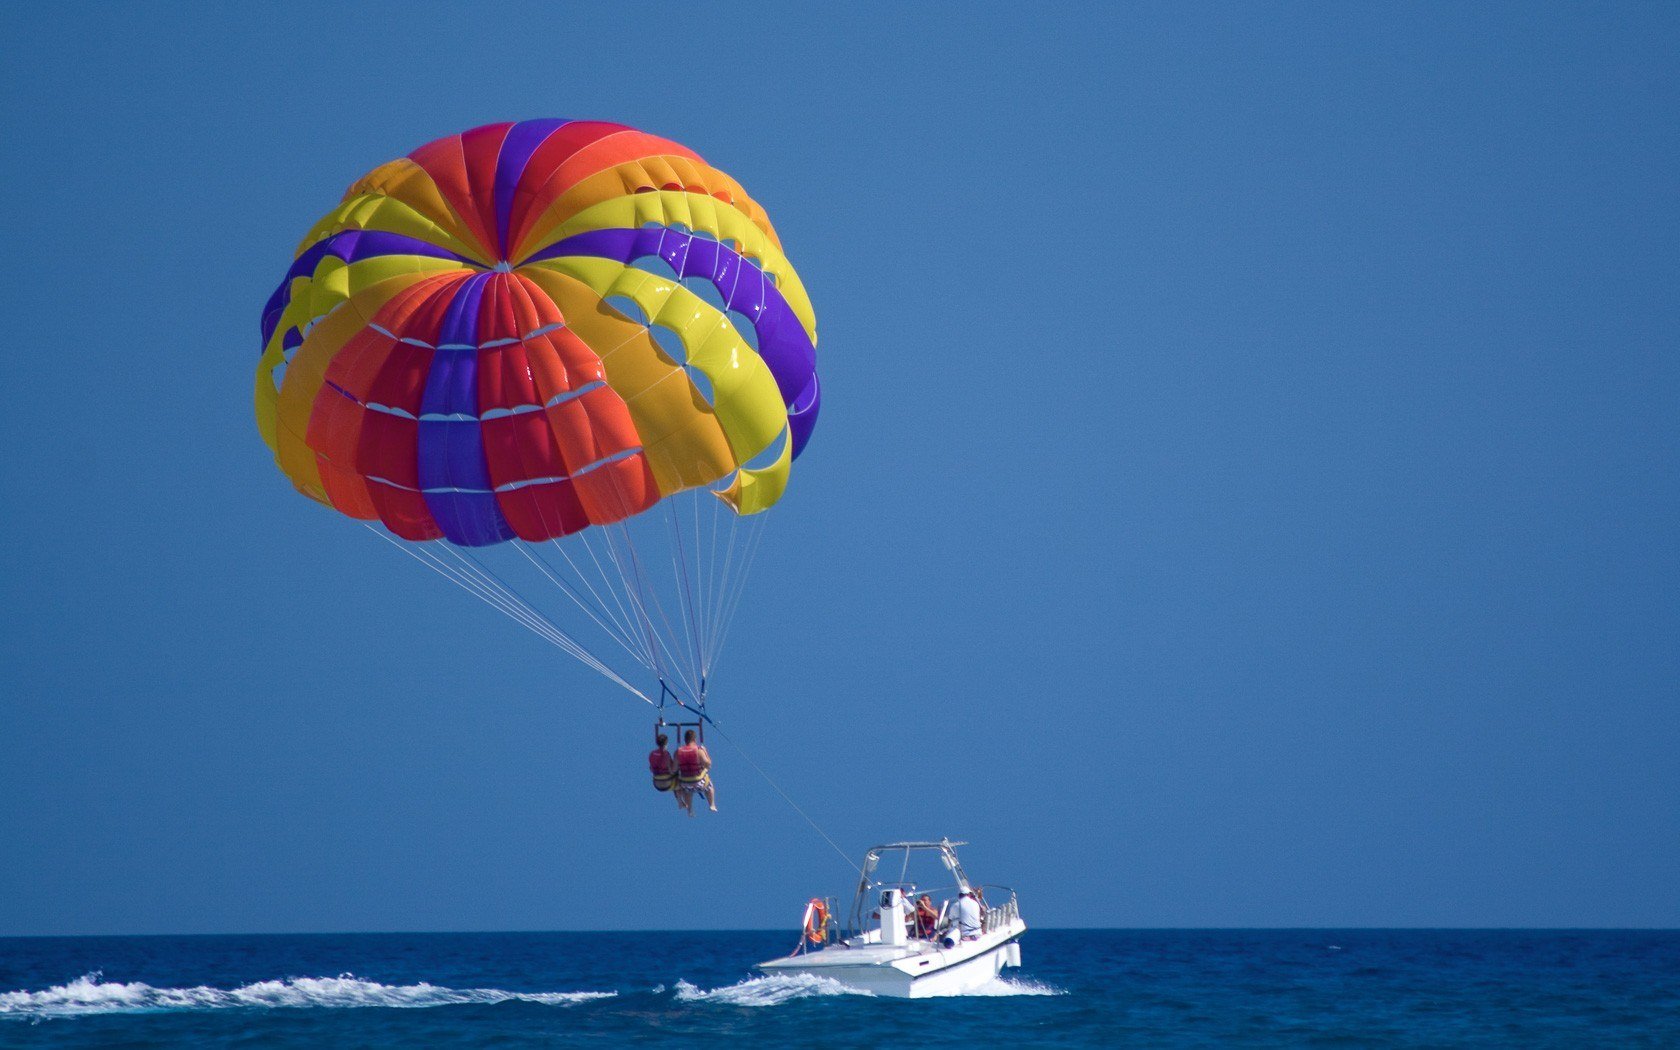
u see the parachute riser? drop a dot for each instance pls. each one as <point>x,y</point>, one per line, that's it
<point>698,710</point>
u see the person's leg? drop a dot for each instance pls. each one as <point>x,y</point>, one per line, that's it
<point>711,794</point>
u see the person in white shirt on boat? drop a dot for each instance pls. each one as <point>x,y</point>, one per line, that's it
<point>969,914</point>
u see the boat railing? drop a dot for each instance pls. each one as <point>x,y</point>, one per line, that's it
<point>1000,916</point>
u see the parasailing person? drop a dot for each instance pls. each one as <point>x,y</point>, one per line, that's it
<point>663,766</point>
<point>694,772</point>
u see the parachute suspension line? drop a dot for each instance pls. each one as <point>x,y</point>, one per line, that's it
<point>672,636</point>
<point>709,575</point>
<point>646,596</point>
<point>685,600</point>
<point>606,582</point>
<point>627,634</point>
<point>489,578</point>
<point>571,593</point>
<point>624,617</point>
<point>484,593</point>
<point>512,606</point>
<point>671,639</point>
<point>633,596</point>
<point>736,587</point>
<point>581,604</point>
<point>756,537</point>
<point>739,750</point>
<point>697,710</point>
<point>723,580</point>
<point>699,585</point>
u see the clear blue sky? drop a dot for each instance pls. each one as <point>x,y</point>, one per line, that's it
<point>1246,493</point>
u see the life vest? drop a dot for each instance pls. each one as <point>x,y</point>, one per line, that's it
<point>926,919</point>
<point>659,764</point>
<point>690,770</point>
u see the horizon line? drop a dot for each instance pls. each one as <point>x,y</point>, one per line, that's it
<point>782,929</point>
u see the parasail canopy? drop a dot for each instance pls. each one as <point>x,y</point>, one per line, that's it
<point>548,329</point>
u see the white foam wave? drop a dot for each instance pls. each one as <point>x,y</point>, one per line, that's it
<point>92,995</point>
<point>766,991</point>
<point>999,986</point>
<point>781,988</point>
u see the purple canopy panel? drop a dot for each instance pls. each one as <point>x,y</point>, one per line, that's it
<point>783,343</point>
<point>453,476</point>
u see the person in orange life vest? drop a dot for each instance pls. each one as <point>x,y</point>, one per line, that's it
<point>926,917</point>
<point>663,765</point>
<point>694,764</point>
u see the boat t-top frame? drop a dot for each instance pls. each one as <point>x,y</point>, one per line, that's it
<point>869,888</point>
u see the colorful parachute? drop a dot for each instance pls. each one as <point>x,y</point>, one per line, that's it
<point>529,329</point>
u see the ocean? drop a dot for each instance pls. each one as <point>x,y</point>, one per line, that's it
<point>1077,988</point>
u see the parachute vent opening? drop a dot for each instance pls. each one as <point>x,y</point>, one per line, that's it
<point>670,343</point>
<point>277,375</point>
<point>702,385</point>
<point>770,455</point>
<point>658,266</point>
<point>744,327</point>
<point>706,290</point>
<point>628,307</point>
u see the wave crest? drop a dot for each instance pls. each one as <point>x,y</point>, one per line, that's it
<point>766,991</point>
<point>776,989</point>
<point>90,994</point>
<point>1013,986</point>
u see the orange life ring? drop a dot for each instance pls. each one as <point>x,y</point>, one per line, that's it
<point>816,921</point>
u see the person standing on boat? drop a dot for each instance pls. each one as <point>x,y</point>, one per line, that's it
<point>694,765</point>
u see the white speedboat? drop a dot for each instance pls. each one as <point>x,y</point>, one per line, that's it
<point>895,948</point>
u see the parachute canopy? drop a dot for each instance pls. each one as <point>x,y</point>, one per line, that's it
<point>543,330</point>
<point>531,328</point>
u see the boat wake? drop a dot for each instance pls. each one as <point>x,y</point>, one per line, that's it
<point>766,991</point>
<point>1002,986</point>
<point>782,988</point>
<point>90,995</point>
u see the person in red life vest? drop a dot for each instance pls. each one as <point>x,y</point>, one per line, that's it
<point>663,765</point>
<point>926,917</point>
<point>694,765</point>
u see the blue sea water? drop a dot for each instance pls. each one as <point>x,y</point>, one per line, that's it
<point>1078,988</point>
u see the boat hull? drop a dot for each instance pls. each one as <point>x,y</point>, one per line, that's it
<point>922,974</point>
